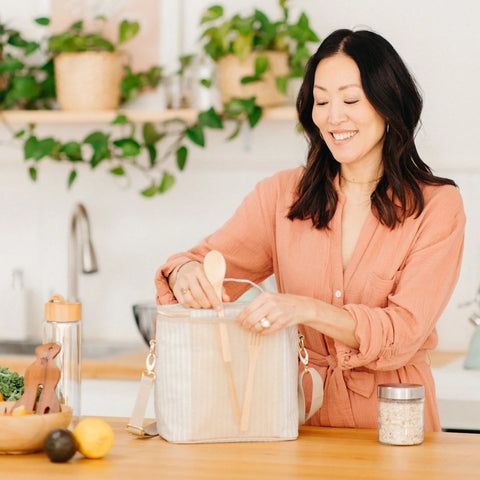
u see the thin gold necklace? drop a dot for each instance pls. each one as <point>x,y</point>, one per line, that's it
<point>361,183</point>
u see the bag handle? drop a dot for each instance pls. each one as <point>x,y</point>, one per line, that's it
<point>135,425</point>
<point>317,386</point>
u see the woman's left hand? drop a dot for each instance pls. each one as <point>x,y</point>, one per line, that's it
<point>270,312</point>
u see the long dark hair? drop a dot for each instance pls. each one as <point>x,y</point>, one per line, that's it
<point>391,90</point>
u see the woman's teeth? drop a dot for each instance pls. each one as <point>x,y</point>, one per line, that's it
<point>343,136</point>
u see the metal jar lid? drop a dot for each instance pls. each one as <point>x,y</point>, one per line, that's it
<point>401,391</point>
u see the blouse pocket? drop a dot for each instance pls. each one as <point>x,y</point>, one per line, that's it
<point>377,290</point>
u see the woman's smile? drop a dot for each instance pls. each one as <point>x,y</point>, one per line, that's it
<point>340,137</point>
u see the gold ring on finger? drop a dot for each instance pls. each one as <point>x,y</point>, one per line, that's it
<point>184,291</point>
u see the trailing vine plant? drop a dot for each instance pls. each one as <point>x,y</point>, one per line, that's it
<point>138,147</point>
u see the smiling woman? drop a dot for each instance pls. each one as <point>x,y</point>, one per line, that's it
<point>352,129</point>
<point>365,242</point>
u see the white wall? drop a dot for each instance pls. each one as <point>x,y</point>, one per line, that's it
<point>133,235</point>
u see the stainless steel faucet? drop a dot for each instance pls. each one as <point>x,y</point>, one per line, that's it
<point>79,239</point>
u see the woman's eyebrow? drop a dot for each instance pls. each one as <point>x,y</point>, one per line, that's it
<point>343,87</point>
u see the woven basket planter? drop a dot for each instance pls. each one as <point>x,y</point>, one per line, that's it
<point>88,80</point>
<point>231,70</point>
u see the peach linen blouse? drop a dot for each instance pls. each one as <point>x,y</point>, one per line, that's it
<point>395,286</point>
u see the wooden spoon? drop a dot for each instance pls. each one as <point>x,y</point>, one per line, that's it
<point>215,267</point>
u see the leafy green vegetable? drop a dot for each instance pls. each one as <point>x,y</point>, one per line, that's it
<point>11,385</point>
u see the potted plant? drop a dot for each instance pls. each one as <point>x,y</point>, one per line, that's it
<point>256,56</point>
<point>89,69</point>
<point>23,84</point>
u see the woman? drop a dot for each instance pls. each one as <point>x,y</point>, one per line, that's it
<point>365,242</point>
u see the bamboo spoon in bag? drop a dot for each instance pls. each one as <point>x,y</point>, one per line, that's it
<point>214,266</point>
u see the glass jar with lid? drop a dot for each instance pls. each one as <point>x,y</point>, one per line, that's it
<point>400,413</point>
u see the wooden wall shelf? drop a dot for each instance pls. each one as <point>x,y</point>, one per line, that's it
<point>107,116</point>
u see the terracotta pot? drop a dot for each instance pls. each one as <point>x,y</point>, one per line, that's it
<point>88,80</point>
<point>231,70</point>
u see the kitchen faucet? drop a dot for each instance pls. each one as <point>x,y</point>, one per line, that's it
<point>79,239</point>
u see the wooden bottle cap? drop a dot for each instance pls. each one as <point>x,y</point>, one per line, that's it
<point>56,310</point>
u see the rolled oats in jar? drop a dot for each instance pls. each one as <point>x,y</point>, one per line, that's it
<point>400,413</point>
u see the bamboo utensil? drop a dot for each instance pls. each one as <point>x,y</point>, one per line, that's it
<point>255,342</point>
<point>215,267</point>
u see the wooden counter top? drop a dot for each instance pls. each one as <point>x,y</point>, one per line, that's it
<point>126,367</point>
<point>131,366</point>
<point>323,453</point>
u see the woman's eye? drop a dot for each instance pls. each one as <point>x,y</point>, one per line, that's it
<point>321,103</point>
<point>351,102</point>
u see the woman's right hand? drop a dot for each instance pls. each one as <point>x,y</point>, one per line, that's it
<point>192,288</point>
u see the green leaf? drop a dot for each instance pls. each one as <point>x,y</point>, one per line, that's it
<point>11,64</point>
<point>129,146</point>
<point>99,142</point>
<point>249,79</point>
<point>117,171</point>
<point>32,171</point>
<point>29,147</point>
<point>131,84</point>
<point>71,178</point>
<point>182,154</point>
<point>234,107</point>
<point>282,83</point>
<point>210,118</point>
<point>120,120</point>
<point>150,134</point>
<point>254,116</point>
<point>195,134</point>
<point>19,134</point>
<point>45,148</point>
<point>236,131</point>
<point>43,21</point>
<point>31,47</point>
<point>212,13</point>
<point>206,82</point>
<point>243,45</point>
<point>16,40</point>
<point>154,76</point>
<point>152,154</point>
<point>150,191</point>
<point>38,149</point>
<point>73,151</point>
<point>167,182</point>
<point>261,64</point>
<point>127,30</point>
<point>25,86</point>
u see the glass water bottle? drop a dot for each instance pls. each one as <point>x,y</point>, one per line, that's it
<point>63,326</point>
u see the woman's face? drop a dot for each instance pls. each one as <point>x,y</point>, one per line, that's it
<point>351,127</point>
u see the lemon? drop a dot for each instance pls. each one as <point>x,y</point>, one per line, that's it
<point>94,437</point>
<point>18,411</point>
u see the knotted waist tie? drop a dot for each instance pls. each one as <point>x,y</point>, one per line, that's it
<point>340,381</point>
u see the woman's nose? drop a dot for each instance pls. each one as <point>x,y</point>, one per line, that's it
<point>336,113</point>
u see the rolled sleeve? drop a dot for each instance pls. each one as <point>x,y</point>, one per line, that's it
<point>389,337</point>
